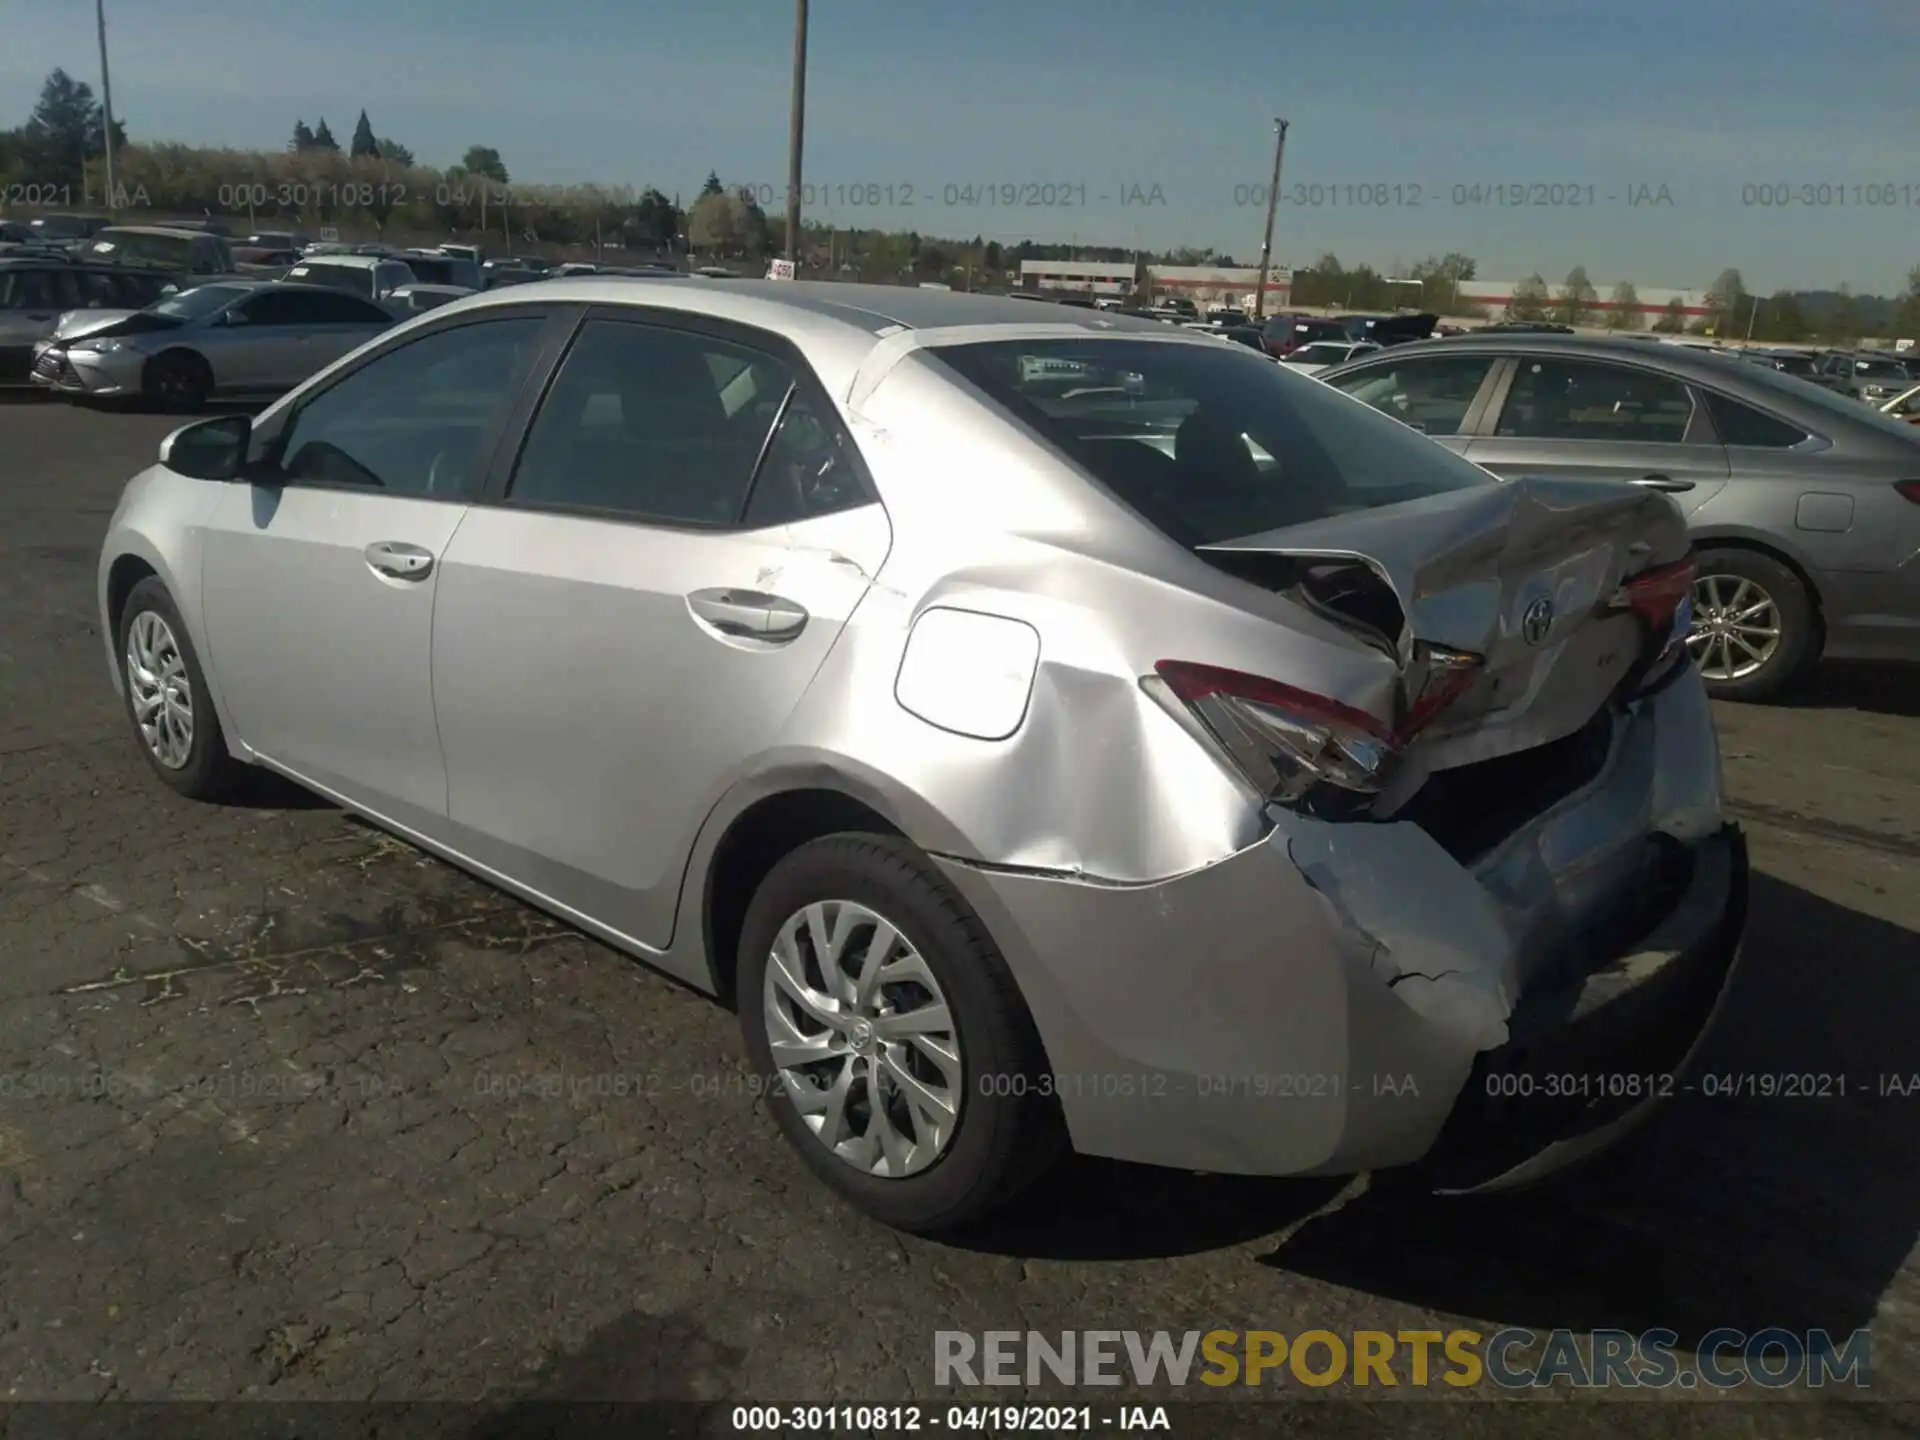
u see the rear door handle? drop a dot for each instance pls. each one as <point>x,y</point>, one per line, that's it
<point>750,614</point>
<point>1663,482</point>
<point>399,560</point>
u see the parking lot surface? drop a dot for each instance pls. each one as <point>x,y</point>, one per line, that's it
<point>293,1111</point>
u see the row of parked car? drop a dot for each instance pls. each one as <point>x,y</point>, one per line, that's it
<point>181,314</point>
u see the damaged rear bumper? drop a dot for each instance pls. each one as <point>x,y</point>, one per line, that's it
<point>1346,997</point>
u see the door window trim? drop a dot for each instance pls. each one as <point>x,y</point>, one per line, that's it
<point>1699,431</point>
<point>803,383</point>
<point>263,466</point>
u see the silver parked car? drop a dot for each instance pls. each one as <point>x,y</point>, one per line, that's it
<point>1046,727</point>
<point>1804,505</point>
<point>236,338</point>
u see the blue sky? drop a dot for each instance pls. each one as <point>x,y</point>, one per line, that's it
<point>1105,102</point>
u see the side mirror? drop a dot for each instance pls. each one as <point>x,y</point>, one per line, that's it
<point>213,449</point>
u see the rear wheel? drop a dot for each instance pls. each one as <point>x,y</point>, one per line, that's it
<point>177,380</point>
<point>1753,625</point>
<point>899,1058</point>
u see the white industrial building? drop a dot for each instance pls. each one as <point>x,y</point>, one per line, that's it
<point>1080,277</point>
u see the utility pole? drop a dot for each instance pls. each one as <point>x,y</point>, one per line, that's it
<point>1273,202</point>
<point>796,131</point>
<point>106,102</point>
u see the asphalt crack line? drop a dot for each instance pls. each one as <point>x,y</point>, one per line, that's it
<point>1782,819</point>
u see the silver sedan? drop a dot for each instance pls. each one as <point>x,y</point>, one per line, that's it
<point>1045,729</point>
<point>235,338</point>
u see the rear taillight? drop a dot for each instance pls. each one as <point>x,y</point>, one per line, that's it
<point>1663,598</point>
<point>1909,490</point>
<point>1287,741</point>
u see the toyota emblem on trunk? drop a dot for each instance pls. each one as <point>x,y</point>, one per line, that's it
<point>1538,620</point>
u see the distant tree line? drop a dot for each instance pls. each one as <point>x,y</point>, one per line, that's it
<point>376,188</point>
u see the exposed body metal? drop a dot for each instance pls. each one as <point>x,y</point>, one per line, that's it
<point>583,709</point>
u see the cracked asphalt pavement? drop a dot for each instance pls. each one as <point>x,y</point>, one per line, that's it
<point>291,1111</point>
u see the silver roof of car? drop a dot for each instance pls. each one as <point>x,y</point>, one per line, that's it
<point>837,326</point>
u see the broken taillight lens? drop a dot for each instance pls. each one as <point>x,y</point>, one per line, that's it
<point>1663,598</point>
<point>1284,740</point>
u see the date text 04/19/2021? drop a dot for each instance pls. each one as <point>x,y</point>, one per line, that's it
<point>962,1419</point>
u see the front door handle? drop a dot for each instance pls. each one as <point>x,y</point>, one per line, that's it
<point>1663,482</point>
<point>749,614</point>
<point>399,560</point>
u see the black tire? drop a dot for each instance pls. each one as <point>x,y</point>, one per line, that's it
<point>1001,1142</point>
<point>1799,625</point>
<point>177,380</point>
<point>210,772</point>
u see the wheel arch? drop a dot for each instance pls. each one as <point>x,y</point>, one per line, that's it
<point>755,840</point>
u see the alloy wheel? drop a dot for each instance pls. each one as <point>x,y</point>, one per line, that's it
<point>1736,627</point>
<point>862,1037</point>
<point>160,690</point>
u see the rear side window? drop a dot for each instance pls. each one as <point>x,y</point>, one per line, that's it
<point>1581,400</point>
<point>1208,443</point>
<point>1742,425</point>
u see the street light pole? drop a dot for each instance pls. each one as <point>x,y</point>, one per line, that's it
<point>106,100</point>
<point>1273,201</point>
<point>796,131</point>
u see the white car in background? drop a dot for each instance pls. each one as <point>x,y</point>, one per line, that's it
<point>1323,354</point>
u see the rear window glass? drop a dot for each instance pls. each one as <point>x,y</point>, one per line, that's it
<point>1208,442</point>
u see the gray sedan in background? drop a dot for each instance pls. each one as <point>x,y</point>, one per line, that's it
<point>236,339</point>
<point>1045,727</point>
<point>1804,505</point>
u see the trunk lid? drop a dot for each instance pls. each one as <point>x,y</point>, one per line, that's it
<point>1500,605</point>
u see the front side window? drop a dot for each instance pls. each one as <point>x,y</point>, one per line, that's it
<point>652,423</point>
<point>198,303</point>
<point>31,290</point>
<point>411,421</point>
<point>1207,442</point>
<point>1431,394</point>
<point>1582,400</point>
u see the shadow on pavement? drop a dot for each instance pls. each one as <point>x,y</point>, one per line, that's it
<point>1732,1210</point>
<point>269,790</point>
<point>1879,689</point>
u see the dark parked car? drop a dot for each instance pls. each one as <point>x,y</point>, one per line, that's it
<point>1873,376</point>
<point>1386,330</point>
<point>1287,333</point>
<point>1803,363</point>
<point>1804,506</point>
<point>66,229</point>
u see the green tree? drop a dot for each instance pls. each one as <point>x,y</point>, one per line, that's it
<point>1529,299</point>
<point>992,257</point>
<point>713,185</point>
<point>363,146</point>
<point>1625,311</point>
<point>1727,305</point>
<point>1781,319</point>
<point>323,136</point>
<point>484,161</point>
<point>1575,303</point>
<point>656,221</point>
<point>1904,322</point>
<point>394,153</point>
<point>67,128</point>
<point>1673,320</point>
<point>713,225</point>
<point>1441,278</point>
<point>302,137</point>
